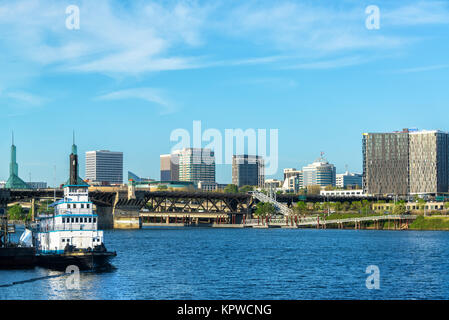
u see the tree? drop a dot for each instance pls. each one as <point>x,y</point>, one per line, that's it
<point>399,209</point>
<point>366,205</point>
<point>16,212</point>
<point>246,189</point>
<point>346,205</point>
<point>231,188</point>
<point>356,205</point>
<point>301,207</point>
<point>45,208</point>
<point>162,187</point>
<point>327,206</point>
<point>338,206</point>
<point>264,209</point>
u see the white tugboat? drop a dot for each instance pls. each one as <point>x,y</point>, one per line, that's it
<point>70,236</point>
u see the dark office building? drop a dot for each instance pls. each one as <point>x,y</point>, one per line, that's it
<point>248,170</point>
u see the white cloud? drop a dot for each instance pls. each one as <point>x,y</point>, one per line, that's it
<point>423,69</point>
<point>25,99</point>
<point>329,64</point>
<point>110,38</point>
<point>308,29</point>
<point>152,95</point>
<point>418,13</point>
<point>142,37</point>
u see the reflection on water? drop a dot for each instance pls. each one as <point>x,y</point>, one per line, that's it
<point>192,263</point>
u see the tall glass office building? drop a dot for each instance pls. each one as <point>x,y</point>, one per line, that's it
<point>386,163</point>
<point>407,162</point>
<point>104,166</point>
<point>196,164</point>
<point>428,163</point>
<point>320,173</point>
<point>248,170</point>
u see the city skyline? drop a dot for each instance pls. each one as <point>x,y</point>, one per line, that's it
<point>320,81</point>
<point>229,166</point>
<point>82,164</point>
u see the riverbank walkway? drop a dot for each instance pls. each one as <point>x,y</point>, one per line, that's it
<point>395,221</point>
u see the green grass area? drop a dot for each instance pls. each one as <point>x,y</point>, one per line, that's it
<point>430,223</point>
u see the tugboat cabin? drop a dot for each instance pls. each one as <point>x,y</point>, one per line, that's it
<point>72,227</point>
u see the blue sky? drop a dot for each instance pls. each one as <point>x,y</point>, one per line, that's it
<point>135,71</point>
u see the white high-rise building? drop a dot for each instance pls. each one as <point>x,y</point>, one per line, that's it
<point>293,180</point>
<point>104,166</point>
<point>321,173</point>
<point>196,164</point>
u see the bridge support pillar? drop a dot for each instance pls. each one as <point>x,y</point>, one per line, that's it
<point>33,208</point>
<point>105,217</point>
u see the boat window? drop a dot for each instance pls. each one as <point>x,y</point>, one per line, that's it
<point>95,220</point>
<point>74,206</point>
<point>63,220</point>
<point>90,220</point>
<point>63,240</point>
<point>82,206</point>
<point>87,206</point>
<point>76,220</point>
<point>68,206</point>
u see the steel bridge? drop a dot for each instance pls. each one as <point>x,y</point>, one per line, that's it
<point>114,204</point>
<point>174,200</point>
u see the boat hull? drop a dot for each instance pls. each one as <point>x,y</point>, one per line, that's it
<point>17,258</point>
<point>83,260</point>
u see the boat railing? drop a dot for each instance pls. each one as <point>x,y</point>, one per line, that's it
<point>80,211</point>
<point>68,227</point>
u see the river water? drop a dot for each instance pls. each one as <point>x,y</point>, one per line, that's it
<point>205,263</point>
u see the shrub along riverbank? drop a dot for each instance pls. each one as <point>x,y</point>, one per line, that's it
<point>436,222</point>
<point>430,223</point>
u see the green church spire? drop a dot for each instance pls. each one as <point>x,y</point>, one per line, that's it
<point>14,182</point>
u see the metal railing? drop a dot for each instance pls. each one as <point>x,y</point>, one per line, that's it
<point>314,220</point>
<point>68,227</point>
<point>279,206</point>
